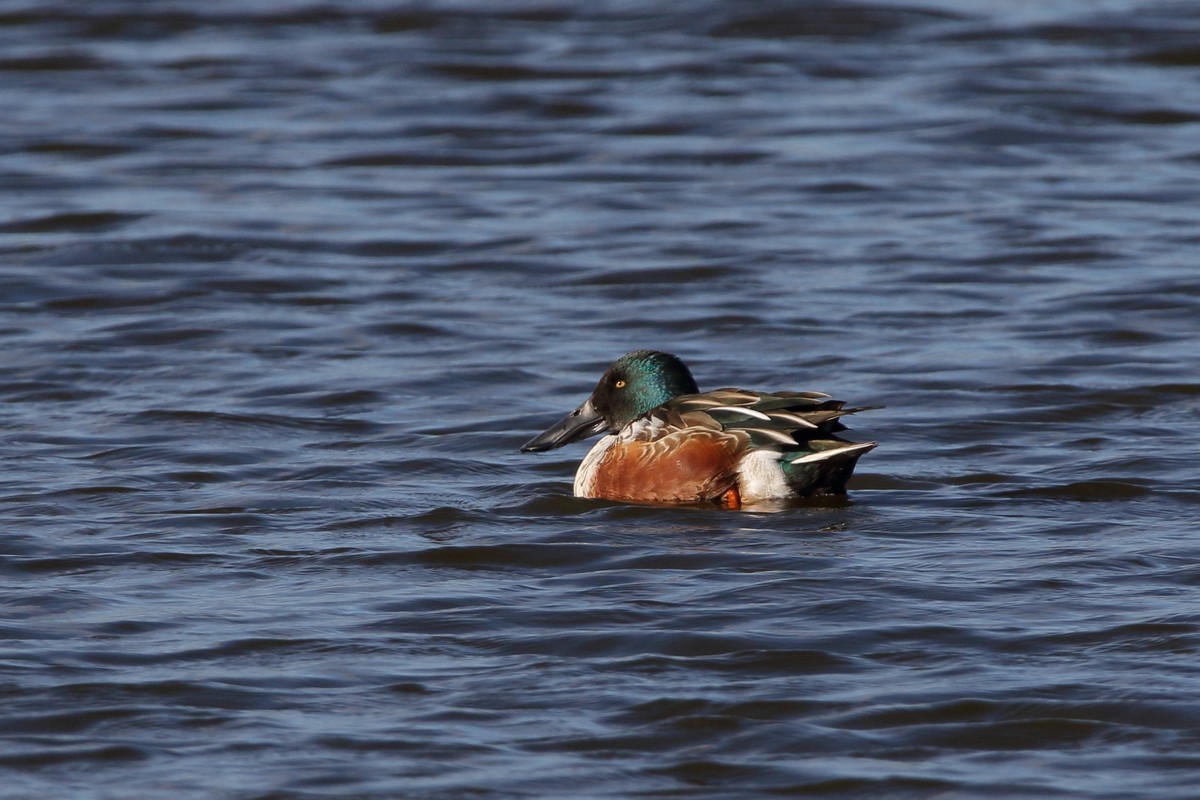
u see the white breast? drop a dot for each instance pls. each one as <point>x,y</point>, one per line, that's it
<point>585,476</point>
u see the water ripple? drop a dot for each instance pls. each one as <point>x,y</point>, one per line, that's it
<point>286,285</point>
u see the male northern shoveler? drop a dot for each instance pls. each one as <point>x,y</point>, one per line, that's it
<point>670,443</point>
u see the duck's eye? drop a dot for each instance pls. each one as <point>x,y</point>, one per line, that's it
<point>620,384</point>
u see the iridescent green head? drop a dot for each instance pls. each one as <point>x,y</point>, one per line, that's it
<point>634,385</point>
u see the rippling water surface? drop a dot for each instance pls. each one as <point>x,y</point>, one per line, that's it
<point>284,285</point>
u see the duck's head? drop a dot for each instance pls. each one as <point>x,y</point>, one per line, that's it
<point>634,385</point>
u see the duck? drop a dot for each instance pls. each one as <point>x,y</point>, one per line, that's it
<point>666,442</point>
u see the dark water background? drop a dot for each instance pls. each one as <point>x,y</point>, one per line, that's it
<point>283,286</point>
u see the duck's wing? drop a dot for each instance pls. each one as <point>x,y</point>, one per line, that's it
<point>785,420</point>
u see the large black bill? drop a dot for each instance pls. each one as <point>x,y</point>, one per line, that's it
<point>579,424</point>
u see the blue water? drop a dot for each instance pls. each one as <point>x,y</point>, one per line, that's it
<point>284,286</point>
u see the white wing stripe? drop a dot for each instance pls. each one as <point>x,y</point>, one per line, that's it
<point>824,454</point>
<point>749,412</point>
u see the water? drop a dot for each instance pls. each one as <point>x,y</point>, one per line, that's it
<point>283,286</point>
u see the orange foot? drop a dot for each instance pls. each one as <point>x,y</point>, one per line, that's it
<point>731,499</point>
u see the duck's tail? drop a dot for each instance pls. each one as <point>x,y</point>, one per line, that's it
<point>826,469</point>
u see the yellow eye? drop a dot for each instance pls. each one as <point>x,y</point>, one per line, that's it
<point>620,384</point>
